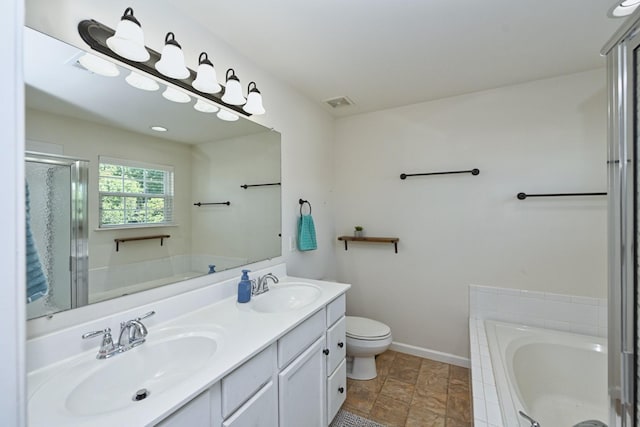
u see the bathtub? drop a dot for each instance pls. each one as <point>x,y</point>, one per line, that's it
<point>557,378</point>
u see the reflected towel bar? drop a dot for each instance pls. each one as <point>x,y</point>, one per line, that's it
<point>522,196</point>
<point>245,186</point>
<point>218,203</point>
<point>472,172</point>
<point>129,239</point>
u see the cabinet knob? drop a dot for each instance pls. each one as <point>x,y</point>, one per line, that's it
<point>326,351</point>
<point>340,344</point>
<point>341,389</point>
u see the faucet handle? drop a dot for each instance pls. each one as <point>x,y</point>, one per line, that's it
<point>96,333</point>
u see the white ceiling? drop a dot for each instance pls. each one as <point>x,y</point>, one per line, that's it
<point>387,53</point>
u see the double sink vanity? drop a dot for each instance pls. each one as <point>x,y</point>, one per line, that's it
<point>205,360</point>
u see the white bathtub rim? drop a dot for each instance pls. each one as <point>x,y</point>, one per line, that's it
<point>509,407</point>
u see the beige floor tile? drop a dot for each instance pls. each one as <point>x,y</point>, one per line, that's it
<point>419,417</point>
<point>405,369</point>
<point>431,368</point>
<point>434,384</point>
<point>451,422</point>
<point>398,390</point>
<point>459,408</point>
<point>459,388</point>
<point>390,412</point>
<point>361,395</point>
<point>434,402</point>
<point>459,373</point>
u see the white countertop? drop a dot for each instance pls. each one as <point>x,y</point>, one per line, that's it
<point>241,333</point>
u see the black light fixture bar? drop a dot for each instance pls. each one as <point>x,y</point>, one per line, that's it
<point>96,34</point>
<point>245,186</point>
<point>522,196</point>
<point>218,203</point>
<point>472,172</point>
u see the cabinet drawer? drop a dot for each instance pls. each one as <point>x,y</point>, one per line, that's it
<point>336,344</point>
<point>260,411</point>
<point>336,390</point>
<point>336,309</point>
<point>292,344</point>
<point>242,383</point>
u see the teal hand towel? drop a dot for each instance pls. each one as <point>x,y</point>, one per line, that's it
<point>306,233</point>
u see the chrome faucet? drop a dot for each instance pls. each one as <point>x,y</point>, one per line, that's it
<point>132,334</point>
<point>261,285</point>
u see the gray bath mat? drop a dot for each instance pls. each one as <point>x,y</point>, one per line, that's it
<point>347,419</point>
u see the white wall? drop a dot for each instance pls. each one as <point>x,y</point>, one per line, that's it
<point>307,130</point>
<point>12,246</point>
<point>545,136</point>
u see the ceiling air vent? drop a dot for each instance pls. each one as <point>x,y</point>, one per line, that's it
<point>341,101</point>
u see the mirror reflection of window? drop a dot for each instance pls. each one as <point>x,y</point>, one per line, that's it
<point>134,193</point>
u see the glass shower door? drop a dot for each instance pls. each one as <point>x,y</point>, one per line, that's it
<point>56,233</point>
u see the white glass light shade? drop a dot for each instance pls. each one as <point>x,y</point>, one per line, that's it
<point>171,62</point>
<point>142,82</point>
<point>98,65</point>
<point>175,95</point>
<point>206,80</point>
<point>233,90</point>
<point>624,8</point>
<point>254,101</point>
<point>128,41</point>
<point>227,116</point>
<point>205,107</point>
<point>627,3</point>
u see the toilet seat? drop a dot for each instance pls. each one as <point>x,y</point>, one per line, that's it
<point>365,329</point>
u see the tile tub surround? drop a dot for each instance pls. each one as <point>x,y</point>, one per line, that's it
<point>581,315</point>
<point>411,391</point>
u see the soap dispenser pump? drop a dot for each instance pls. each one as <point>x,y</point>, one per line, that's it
<point>244,287</point>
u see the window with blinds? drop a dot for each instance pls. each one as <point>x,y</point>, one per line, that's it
<point>134,193</point>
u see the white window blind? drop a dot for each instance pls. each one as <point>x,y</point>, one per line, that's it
<point>134,193</point>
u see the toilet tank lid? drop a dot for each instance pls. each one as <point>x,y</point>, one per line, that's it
<point>363,327</point>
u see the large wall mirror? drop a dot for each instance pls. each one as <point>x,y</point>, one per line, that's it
<point>115,207</point>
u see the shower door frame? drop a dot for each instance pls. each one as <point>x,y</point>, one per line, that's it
<point>623,56</point>
<point>79,221</point>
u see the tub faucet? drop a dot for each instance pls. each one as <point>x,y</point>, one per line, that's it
<point>261,285</point>
<point>533,422</point>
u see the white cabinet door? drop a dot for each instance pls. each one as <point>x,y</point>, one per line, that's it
<point>260,411</point>
<point>302,389</point>
<point>196,413</point>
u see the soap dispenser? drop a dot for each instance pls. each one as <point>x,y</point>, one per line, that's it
<point>244,287</point>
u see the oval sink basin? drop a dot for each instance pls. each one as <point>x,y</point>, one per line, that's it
<point>95,387</point>
<point>286,297</point>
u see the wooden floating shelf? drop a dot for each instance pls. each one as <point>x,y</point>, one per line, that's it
<point>393,240</point>
<point>130,239</point>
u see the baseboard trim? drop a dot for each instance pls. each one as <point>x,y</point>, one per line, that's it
<point>439,356</point>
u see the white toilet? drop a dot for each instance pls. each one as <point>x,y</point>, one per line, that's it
<point>366,338</point>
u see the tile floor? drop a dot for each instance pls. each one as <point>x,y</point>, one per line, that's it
<point>411,391</point>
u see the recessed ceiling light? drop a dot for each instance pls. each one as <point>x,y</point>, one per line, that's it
<point>142,82</point>
<point>624,8</point>
<point>159,128</point>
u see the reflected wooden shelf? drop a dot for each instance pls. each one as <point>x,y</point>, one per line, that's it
<point>393,240</point>
<point>130,239</point>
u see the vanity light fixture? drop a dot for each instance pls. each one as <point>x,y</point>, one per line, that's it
<point>624,8</point>
<point>205,107</point>
<point>171,62</point>
<point>176,96</point>
<point>233,90</point>
<point>139,81</point>
<point>128,41</point>
<point>159,128</point>
<point>206,80</point>
<point>227,116</point>
<point>98,65</point>
<point>254,100</point>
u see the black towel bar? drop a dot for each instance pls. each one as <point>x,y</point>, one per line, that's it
<point>522,196</point>
<point>218,203</point>
<point>472,172</point>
